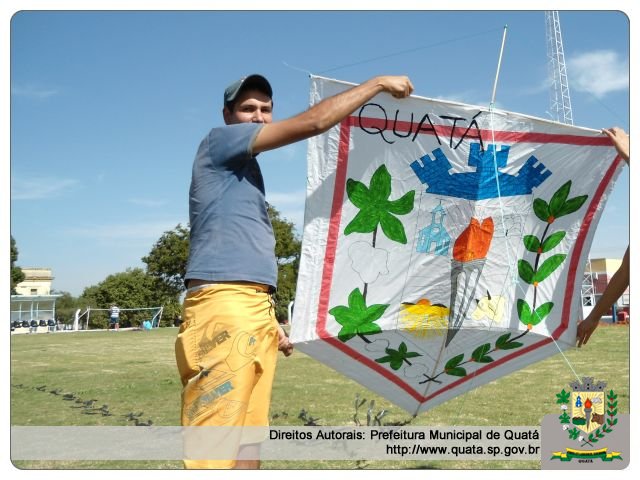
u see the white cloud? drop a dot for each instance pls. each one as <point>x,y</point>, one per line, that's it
<point>281,199</point>
<point>469,97</point>
<point>543,87</point>
<point>598,72</point>
<point>33,91</point>
<point>458,97</point>
<point>38,188</point>
<point>290,205</point>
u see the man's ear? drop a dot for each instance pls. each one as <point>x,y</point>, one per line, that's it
<point>226,114</point>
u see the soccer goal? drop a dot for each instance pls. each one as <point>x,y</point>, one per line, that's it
<point>98,318</point>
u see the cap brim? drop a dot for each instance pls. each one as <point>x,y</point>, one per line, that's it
<point>252,81</point>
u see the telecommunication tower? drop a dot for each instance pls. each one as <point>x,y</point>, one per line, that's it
<point>560,111</point>
<point>559,97</point>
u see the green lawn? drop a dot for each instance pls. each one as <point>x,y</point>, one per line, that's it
<point>132,374</point>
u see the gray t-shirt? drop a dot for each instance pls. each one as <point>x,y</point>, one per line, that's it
<point>231,234</point>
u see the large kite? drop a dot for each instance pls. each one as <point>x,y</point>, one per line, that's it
<point>444,244</point>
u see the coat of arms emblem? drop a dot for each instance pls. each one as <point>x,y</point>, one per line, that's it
<point>588,414</point>
<point>588,405</point>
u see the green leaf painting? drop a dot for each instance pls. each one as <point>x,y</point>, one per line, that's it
<point>526,271</point>
<point>480,354</point>
<point>541,312</point>
<point>549,266</point>
<point>456,372</point>
<point>531,243</point>
<point>558,199</point>
<point>552,241</point>
<point>452,366</point>
<point>572,205</point>
<point>395,358</point>
<point>560,205</point>
<point>503,342</point>
<point>563,396</point>
<point>357,318</point>
<point>541,209</point>
<point>376,208</point>
<point>524,311</point>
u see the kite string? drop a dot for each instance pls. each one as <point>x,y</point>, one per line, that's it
<point>510,262</point>
<point>495,160</point>
<point>300,69</point>
<point>566,360</point>
<point>393,54</point>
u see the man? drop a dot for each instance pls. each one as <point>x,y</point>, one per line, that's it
<point>227,344</point>
<point>620,280</point>
<point>114,317</point>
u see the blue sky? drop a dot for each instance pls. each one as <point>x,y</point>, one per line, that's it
<point>108,108</point>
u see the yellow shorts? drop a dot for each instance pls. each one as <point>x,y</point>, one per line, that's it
<point>226,352</point>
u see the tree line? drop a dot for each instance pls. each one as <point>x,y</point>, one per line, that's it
<point>161,282</point>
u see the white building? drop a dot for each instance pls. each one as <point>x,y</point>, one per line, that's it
<point>33,301</point>
<point>37,281</point>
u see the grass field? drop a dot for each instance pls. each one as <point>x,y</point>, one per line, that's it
<point>131,376</point>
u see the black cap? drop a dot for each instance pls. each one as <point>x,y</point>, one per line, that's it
<point>252,81</point>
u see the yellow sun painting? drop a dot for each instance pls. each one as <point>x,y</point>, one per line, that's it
<point>423,320</point>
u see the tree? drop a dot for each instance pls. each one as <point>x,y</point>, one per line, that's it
<point>167,261</point>
<point>288,257</point>
<point>17,275</point>
<point>133,288</point>
<point>168,257</point>
<point>66,307</point>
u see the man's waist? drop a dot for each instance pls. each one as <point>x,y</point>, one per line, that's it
<point>196,282</point>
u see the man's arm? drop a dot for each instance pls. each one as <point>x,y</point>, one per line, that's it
<point>616,287</point>
<point>329,112</point>
<point>620,280</point>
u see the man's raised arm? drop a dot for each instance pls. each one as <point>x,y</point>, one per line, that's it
<point>329,112</point>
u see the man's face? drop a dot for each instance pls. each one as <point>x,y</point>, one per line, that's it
<point>251,106</point>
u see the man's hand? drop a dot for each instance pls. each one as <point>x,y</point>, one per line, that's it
<point>284,345</point>
<point>585,329</point>
<point>620,140</point>
<point>398,86</point>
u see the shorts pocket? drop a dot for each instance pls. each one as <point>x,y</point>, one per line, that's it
<point>187,353</point>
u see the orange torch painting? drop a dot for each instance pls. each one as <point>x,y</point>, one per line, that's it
<point>469,256</point>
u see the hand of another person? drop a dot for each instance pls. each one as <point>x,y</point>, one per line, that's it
<point>620,140</point>
<point>585,329</point>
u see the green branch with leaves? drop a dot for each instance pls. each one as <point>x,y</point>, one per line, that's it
<point>559,205</point>
<point>612,411</point>
<point>482,354</point>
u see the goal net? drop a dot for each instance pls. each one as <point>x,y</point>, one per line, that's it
<point>99,318</point>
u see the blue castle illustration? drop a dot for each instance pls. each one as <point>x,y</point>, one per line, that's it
<point>434,236</point>
<point>481,184</point>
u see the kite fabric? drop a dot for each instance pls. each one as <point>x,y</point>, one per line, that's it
<point>444,244</point>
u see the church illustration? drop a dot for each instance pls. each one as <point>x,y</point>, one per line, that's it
<point>434,238</point>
